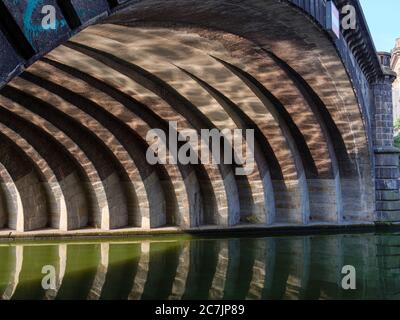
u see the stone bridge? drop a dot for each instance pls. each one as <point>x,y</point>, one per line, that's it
<point>78,100</point>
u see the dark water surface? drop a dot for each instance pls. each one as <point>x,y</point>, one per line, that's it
<point>297,267</point>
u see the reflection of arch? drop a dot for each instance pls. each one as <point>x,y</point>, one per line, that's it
<point>140,278</point>
<point>163,264</point>
<point>60,271</point>
<point>217,288</point>
<point>122,265</point>
<point>201,275</point>
<point>16,270</point>
<point>78,278</point>
<point>232,70</point>
<point>179,286</point>
<point>255,268</point>
<point>101,274</point>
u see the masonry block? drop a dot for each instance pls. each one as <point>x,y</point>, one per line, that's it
<point>388,216</point>
<point>386,184</point>
<point>388,205</point>
<point>387,172</point>
<point>387,195</point>
<point>386,160</point>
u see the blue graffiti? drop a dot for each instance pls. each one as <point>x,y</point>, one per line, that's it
<point>31,30</point>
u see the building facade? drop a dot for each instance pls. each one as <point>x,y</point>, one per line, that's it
<point>396,83</point>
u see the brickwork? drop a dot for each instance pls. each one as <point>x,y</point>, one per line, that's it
<point>395,65</point>
<point>386,155</point>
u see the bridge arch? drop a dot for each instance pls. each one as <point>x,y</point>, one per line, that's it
<point>266,65</point>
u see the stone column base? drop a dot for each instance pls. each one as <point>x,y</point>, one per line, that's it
<point>387,184</point>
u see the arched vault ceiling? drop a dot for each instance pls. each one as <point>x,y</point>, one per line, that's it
<point>96,97</point>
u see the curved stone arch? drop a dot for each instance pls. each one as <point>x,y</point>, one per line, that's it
<point>326,82</point>
<point>161,32</point>
<point>326,179</point>
<point>260,192</point>
<point>222,181</point>
<point>251,200</point>
<point>182,106</point>
<point>336,89</point>
<point>68,171</point>
<point>130,168</point>
<point>36,100</point>
<point>124,36</point>
<point>3,206</point>
<point>27,200</point>
<point>57,215</point>
<point>341,165</point>
<point>109,37</point>
<point>96,189</point>
<point>107,113</point>
<point>306,127</point>
<point>14,206</point>
<point>345,112</point>
<point>182,178</point>
<point>143,113</point>
<point>263,162</point>
<point>17,40</point>
<point>302,160</point>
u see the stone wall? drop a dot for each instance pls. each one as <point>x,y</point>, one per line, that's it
<point>386,156</point>
<point>395,64</point>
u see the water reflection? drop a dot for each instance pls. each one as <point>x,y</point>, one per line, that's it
<point>262,268</point>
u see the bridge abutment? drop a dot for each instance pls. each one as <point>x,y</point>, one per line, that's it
<point>386,155</point>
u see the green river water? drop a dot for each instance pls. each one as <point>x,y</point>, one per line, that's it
<point>295,267</point>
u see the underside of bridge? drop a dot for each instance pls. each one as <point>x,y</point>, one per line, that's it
<point>73,125</point>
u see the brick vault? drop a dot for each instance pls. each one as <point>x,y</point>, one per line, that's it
<point>76,105</point>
